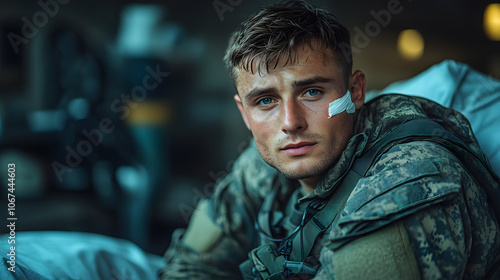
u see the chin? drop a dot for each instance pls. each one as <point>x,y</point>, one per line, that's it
<point>300,175</point>
<point>304,172</point>
<point>300,168</point>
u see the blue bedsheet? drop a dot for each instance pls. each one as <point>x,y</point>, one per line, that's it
<point>76,255</point>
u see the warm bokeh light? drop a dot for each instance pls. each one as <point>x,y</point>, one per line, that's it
<point>491,21</point>
<point>410,44</point>
<point>149,113</point>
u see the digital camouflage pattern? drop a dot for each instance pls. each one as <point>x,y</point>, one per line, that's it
<point>451,224</point>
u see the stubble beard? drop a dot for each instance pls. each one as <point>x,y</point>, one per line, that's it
<point>319,167</point>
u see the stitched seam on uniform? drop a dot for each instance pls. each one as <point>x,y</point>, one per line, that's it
<point>397,183</point>
<point>407,257</point>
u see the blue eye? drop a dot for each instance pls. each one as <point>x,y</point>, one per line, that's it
<point>265,101</point>
<point>312,92</point>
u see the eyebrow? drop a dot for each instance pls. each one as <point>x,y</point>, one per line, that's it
<point>296,84</point>
<point>257,92</point>
<point>310,81</point>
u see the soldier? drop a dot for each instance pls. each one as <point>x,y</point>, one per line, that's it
<point>333,188</point>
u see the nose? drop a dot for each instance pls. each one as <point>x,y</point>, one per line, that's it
<point>293,118</point>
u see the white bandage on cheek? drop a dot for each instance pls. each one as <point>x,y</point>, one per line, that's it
<point>344,103</point>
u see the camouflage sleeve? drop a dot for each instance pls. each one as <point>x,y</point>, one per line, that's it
<point>418,195</point>
<point>458,238</point>
<point>221,230</point>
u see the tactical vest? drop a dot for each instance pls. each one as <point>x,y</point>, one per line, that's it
<point>288,258</point>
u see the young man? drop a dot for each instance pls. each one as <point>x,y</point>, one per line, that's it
<point>334,188</point>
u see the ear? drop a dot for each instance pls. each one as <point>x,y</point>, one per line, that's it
<point>242,110</point>
<point>358,84</point>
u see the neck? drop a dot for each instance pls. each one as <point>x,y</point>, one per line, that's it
<point>309,184</point>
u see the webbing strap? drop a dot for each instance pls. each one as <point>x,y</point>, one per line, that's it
<point>322,220</point>
<point>414,129</point>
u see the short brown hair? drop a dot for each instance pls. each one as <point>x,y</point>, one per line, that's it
<point>274,33</point>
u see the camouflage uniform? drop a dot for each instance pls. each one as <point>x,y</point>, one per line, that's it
<point>417,208</point>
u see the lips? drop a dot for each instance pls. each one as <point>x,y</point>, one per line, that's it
<point>298,149</point>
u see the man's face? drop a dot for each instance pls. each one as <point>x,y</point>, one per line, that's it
<point>286,109</point>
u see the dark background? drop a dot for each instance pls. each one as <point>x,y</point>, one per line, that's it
<point>69,74</point>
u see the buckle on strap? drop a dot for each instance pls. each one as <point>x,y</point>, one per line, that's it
<point>299,268</point>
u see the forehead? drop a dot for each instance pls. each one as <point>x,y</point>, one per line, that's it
<point>304,61</point>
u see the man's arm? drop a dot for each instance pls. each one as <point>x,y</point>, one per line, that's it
<point>221,230</point>
<point>202,251</point>
<point>433,225</point>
